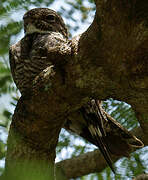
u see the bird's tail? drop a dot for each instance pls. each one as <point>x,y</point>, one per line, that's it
<point>95,119</point>
<point>96,126</point>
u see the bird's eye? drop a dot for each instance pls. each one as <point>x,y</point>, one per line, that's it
<point>51,18</point>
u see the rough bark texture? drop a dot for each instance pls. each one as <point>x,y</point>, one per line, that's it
<point>141,177</point>
<point>109,60</point>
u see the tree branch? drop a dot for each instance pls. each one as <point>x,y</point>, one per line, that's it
<point>108,60</point>
<point>90,162</point>
<point>111,57</point>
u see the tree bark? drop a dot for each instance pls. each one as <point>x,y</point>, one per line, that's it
<point>141,177</point>
<point>109,60</point>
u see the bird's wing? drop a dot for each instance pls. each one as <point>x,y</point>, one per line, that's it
<point>119,140</point>
<point>15,64</point>
<point>12,62</point>
<point>93,124</point>
<point>95,120</point>
<point>91,127</point>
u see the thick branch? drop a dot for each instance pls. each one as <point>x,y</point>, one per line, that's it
<point>90,162</point>
<point>33,136</point>
<point>111,57</point>
<point>108,60</point>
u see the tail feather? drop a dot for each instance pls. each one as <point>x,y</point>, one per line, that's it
<point>96,126</point>
<point>103,148</point>
<point>95,118</point>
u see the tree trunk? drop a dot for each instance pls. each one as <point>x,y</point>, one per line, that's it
<point>109,60</point>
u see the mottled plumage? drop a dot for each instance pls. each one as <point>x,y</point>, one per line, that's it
<point>45,36</point>
<point>100,129</point>
<point>43,47</point>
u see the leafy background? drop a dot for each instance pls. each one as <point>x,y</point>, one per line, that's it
<point>78,15</point>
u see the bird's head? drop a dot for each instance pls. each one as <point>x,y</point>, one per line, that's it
<point>43,20</point>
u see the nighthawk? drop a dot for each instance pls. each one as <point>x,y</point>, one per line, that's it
<point>45,31</point>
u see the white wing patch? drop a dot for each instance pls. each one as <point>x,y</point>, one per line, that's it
<point>94,131</point>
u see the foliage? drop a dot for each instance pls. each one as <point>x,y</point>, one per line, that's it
<point>76,13</point>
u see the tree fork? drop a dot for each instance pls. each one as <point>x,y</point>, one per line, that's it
<point>109,60</point>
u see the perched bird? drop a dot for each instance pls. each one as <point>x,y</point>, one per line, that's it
<point>100,129</point>
<point>34,55</point>
<point>45,36</point>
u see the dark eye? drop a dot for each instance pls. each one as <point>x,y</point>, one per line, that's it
<point>51,18</point>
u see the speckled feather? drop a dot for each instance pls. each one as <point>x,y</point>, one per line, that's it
<point>39,49</point>
<point>44,46</point>
<point>92,123</point>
